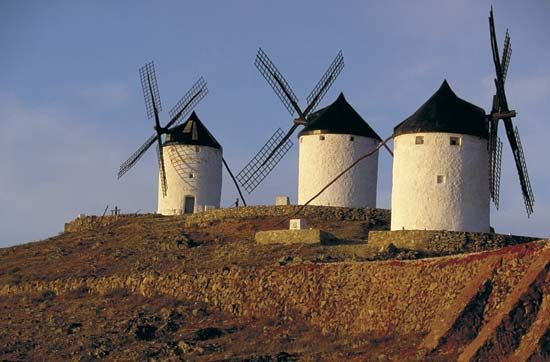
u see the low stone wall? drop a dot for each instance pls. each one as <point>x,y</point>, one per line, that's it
<point>443,242</point>
<point>93,222</point>
<point>378,217</point>
<point>317,212</point>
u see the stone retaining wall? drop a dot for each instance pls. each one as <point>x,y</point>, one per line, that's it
<point>93,222</point>
<point>444,242</point>
<point>317,212</point>
<point>379,217</point>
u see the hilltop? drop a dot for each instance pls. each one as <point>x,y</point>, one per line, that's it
<point>138,287</point>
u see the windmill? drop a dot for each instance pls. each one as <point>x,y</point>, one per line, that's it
<point>279,143</point>
<point>153,107</point>
<point>177,114</point>
<point>501,111</point>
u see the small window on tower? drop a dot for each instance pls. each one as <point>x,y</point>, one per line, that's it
<point>197,149</point>
<point>440,179</point>
<point>455,141</point>
<point>419,140</point>
<point>322,138</point>
<point>191,175</point>
<point>351,138</point>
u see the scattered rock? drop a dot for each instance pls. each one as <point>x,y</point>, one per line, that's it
<point>47,295</point>
<point>184,346</point>
<point>326,259</point>
<point>207,333</point>
<point>388,249</point>
<point>191,243</point>
<point>73,328</point>
<point>146,332</point>
<point>200,312</point>
<point>82,291</point>
<point>172,326</point>
<point>287,357</point>
<point>284,260</point>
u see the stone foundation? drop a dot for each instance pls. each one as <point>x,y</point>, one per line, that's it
<point>443,242</point>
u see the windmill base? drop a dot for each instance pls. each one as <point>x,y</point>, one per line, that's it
<point>442,242</point>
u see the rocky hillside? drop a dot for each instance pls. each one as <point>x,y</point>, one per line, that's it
<point>197,287</point>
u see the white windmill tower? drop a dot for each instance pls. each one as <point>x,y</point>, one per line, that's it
<point>194,172</point>
<point>440,167</point>
<point>192,179</point>
<point>447,158</point>
<point>334,138</point>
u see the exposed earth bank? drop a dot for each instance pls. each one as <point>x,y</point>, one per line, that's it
<point>199,288</point>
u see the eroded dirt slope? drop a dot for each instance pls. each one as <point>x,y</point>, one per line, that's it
<point>151,287</point>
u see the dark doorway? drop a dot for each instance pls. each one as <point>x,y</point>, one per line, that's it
<point>189,205</point>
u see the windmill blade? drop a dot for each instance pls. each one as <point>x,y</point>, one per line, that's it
<point>150,89</point>
<point>493,148</point>
<point>193,96</point>
<point>494,48</point>
<point>276,80</point>
<point>528,196</point>
<point>324,84</point>
<point>495,171</point>
<point>506,55</point>
<point>499,80</point>
<point>511,133</point>
<point>162,170</point>
<point>493,136</point>
<point>281,142</point>
<point>130,162</point>
<point>261,165</point>
<point>517,150</point>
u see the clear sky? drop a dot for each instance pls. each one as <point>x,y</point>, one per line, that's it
<point>71,107</point>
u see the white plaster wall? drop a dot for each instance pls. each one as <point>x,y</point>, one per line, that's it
<point>320,161</point>
<point>205,186</point>
<point>461,203</point>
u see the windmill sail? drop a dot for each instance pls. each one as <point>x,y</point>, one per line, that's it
<point>193,96</point>
<point>501,69</point>
<point>150,89</point>
<point>278,145</point>
<point>495,171</point>
<point>324,83</point>
<point>506,55</point>
<point>162,170</point>
<point>276,80</point>
<point>131,161</point>
<point>528,197</point>
<point>260,166</point>
<point>153,107</point>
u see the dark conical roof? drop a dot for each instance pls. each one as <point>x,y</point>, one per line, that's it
<point>192,132</point>
<point>339,118</point>
<point>445,112</point>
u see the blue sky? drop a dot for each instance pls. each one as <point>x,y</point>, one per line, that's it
<point>71,108</point>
